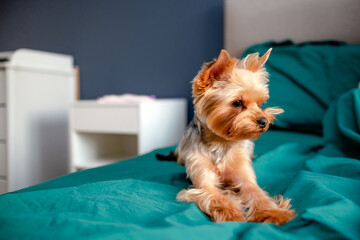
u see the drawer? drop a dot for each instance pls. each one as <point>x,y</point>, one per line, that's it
<point>105,120</point>
<point>2,123</point>
<point>3,159</point>
<point>3,186</point>
<point>2,87</point>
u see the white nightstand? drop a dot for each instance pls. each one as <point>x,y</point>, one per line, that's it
<point>104,133</point>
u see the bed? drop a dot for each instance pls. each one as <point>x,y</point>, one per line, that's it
<point>311,154</point>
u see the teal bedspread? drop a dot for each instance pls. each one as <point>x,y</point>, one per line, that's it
<point>318,170</point>
<point>135,199</point>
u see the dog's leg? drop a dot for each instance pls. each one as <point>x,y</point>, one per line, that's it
<point>206,193</point>
<point>261,207</point>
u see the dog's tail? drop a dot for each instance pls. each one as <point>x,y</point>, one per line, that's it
<point>169,157</point>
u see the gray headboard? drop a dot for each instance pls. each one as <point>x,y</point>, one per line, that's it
<point>248,22</point>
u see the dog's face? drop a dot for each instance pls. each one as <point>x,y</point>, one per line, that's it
<point>228,95</point>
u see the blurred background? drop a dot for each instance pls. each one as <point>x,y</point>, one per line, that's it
<point>137,46</point>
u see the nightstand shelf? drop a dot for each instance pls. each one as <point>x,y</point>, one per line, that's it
<point>97,149</point>
<point>105,133</point>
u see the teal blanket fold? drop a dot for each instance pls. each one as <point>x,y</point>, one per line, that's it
<point>305,78</point>
<point>135,199</point>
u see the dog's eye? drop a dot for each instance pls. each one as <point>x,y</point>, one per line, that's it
<point>238,104</point>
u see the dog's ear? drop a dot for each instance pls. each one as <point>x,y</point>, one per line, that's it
<point>214,71</point>
<point>253,62</point>
<point>271,112</point>
<point>218,67</point>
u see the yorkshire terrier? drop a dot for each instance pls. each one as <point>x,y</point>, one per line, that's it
<point>217,146</point>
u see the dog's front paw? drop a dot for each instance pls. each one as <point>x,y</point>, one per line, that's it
<point>282,202</point>
<point>226,214</point>
<point>277,216</point>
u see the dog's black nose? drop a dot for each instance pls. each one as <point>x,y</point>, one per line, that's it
<point>262,122</point>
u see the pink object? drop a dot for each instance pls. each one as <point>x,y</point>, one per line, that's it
<point>125,98</point>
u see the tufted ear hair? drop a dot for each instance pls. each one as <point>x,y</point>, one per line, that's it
<point>271,112</point>
<point>253,62</point>
<point>214,71</point>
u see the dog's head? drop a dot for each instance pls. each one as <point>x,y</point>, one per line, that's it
<point>228,95</point>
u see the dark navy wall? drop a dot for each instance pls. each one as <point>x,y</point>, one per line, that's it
<point>136,46</point>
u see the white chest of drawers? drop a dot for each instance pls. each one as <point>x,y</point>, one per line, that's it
<point>36,89</point>
<point>105,133</point>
